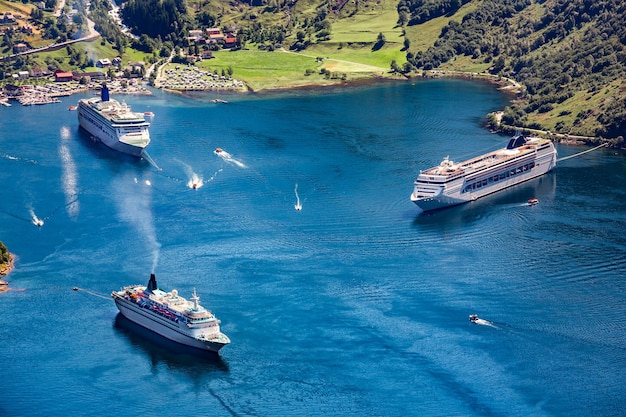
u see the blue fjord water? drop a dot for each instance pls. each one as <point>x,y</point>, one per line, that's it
<point>356,305</point>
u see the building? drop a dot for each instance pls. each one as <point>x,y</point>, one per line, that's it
<point>215,34</point>
<point>20,47</point>
<point>39,73</point>
<point>7,18</point>
<point>103,63</point>
<point>230,40</point>
<point>62,76</point>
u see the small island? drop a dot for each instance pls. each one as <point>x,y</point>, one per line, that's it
<point>6,265</point>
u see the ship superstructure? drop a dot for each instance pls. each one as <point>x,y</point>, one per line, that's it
<point>451,183</point>
<point>114,123</point>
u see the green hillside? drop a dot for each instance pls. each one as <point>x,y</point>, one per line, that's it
<point>568,55</point>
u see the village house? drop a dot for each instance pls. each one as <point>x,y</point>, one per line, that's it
<point>39,73</point>
<point>7,18</point>
<point>12,90</point>
<point>89,76</point>
<point>196,36</point>
<point>230,40</point>
<point>206,54</point>
<point>215,34</point>
<point>62,76</point>
<point>103,63</point>
<point>20,47</point>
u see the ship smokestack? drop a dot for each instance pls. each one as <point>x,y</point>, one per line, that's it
<point>104,93</point>
<point>152,284</point>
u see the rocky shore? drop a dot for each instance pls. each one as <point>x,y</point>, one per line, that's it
<point>5,269</point>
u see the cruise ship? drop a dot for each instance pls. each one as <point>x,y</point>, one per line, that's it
<point>171,315</point>
<point>114,124</point>
<point>451,183</point>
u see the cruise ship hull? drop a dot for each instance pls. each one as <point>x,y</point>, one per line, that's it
<point>100,136</point>
<point>453,184</point>
<point>442,200</point>
<point>163,327</point>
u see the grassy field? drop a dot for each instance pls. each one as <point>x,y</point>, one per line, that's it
<point>349,53</point>
<point>268,70</point>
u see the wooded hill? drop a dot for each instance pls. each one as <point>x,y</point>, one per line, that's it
<point>569,55</point>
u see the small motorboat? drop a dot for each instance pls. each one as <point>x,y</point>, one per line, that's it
<point>533,201</point>
<point>218,150</point>
<point>476,320</point>
<point>71,108</point>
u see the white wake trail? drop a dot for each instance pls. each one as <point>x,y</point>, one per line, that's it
<point>298,205</point>
<point>70,176</point>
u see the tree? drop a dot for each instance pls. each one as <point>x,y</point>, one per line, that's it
<point>5,256</point>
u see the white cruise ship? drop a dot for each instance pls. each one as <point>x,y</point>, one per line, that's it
<point>453,183</point>
<point>171,316</point>
<point>114,124</point>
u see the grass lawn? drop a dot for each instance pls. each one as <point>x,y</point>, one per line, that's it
<point>263,70</point>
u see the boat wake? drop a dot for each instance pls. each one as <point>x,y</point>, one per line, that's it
<point>15,158</point>
<point>35,220</point>
<point>147,157</point>
<point>298,205</point>
<point>134,204</point>
<point>229,158</point>
<point>69,176</point>
<point>194,181</point>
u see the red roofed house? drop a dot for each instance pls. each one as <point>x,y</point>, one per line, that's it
<point>215,34</point>
<point>62,76</point>
<point>230,40</point>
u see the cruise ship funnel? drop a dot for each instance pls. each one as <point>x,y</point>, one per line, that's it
<point>152,285</point>
<point>104,93</point>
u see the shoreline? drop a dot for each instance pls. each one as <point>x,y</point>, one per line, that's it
<point>5,269</point>
<point>504,84</point>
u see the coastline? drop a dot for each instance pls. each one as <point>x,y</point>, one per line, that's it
<point>504,84</point>
<point>5,269</point>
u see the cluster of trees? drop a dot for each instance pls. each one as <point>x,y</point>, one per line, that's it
<point>5,256</point>
<point>414,12</point>
<point>167,19</point>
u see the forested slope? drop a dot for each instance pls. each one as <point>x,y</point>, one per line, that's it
<point>569,54</point>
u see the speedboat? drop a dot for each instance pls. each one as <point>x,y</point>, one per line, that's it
<point>533,201</point>
<point>476,320</point>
